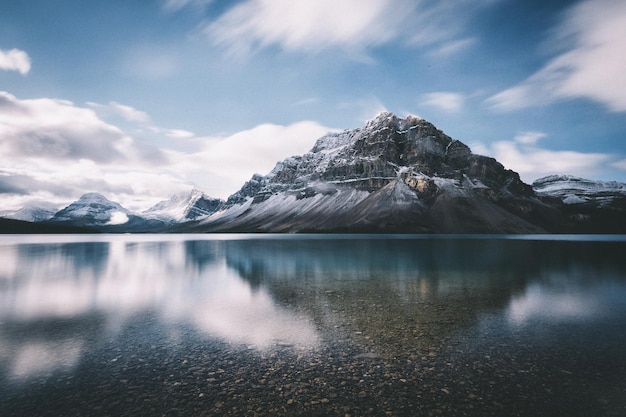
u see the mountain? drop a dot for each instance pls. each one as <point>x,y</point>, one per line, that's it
<point>184,207</point>
<point>579,191</point>
<point>394,175</point>
<point>35,212</point>
<point>590,206</point>
<point>93,210</point>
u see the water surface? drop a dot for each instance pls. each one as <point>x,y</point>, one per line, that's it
<point>312,325</point>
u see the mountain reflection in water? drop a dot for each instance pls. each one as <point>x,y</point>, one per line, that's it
<point>66,300</point>
<point>183,283</point>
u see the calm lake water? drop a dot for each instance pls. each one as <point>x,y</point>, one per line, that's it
<point>194,325</point>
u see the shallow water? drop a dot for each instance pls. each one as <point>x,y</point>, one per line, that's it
<point>312,325</point>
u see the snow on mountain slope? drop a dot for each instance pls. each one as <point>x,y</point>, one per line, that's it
<point>386,176</point>
<point>93,209</point>
<point>183,207</point>
<point>35,212</point>
<point>574,190</point>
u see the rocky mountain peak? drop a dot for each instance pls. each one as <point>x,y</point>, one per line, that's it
<point>90,198</point>
<point>388,148</point>
<point>184,206</point>
<point>389,120</point>
<point>373,177</point>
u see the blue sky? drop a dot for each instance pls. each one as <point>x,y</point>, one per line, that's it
<point>142,99</point>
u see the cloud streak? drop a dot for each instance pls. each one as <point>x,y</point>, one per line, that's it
<point>446,101</point>
<point>14,60</point>
<point>311,26</point>
<point>593,67</point>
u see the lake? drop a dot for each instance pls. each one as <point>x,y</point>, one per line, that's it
<point>312,325</point>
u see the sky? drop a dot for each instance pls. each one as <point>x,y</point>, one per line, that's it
<point>140,100</point>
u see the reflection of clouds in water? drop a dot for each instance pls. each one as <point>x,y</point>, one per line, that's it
<point>545,302</point>
<point>227,307</point>
<point>182,283</point>
<point>41,357</point>
<point>538,302</point>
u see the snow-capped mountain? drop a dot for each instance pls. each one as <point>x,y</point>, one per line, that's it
<point>184,207</point>
<point>589,206</point>
<point>34,212</point>
<point>574,190</point>
<point>93,210</point>
<point>393,175</point>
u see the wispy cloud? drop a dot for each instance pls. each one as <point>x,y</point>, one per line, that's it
<point>593,67</point>
<point>179,133</point>
<point>130,113</point>
<point>137,117</point>
<point>529,137</point>
<point>453,47</point>
<point>174,5</point>
<point>447,101</point>
<point>308,25</point>
<point>14,60</point>
<point>355,25</point>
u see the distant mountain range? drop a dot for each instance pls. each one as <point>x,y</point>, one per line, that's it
<point>394,175</point>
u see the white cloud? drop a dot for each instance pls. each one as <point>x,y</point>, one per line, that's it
<point>130,113</point>
<point>138,117</point>
<point>56,151</point>
<point>353,25</point>
<point>453,47</point>
<point>444,100</point>
<point>524,156</point>
<point>529,137</point>
<point>14,60</point>
<point>224,164</point>
<point>594,66</point>
<point>305,24</point>
<point>53,128</point>
<point>179,134</point>
<point>175,5</point>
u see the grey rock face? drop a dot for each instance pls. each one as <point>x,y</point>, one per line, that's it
<point>393,175</point>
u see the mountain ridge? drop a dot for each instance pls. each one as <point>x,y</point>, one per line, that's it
<point>393,175</point>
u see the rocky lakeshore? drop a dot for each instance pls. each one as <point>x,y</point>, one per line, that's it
<point>427,369</point>
<point>314,326</point>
